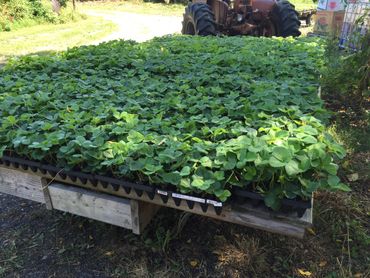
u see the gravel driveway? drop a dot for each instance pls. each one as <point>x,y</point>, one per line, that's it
<point>139,27</point>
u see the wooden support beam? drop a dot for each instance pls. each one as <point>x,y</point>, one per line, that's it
<point>98,206</point>
<point>141,214</point>
<point>20,184</point>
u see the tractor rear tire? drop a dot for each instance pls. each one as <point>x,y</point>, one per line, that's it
<point>285,19</point>
<point>198,20</point>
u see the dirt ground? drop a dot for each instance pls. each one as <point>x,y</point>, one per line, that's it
<point>139,27</point>
<point>35,242</point>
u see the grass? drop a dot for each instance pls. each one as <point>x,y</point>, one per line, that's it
<point>49,37</point>
<point>135,7</point>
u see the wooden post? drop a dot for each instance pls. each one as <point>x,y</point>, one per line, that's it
<point>141,214</point>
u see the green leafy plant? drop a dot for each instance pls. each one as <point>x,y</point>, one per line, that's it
<point>347,74</point>
<point>199,114</point>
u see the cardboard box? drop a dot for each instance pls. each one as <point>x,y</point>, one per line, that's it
<point>328,23</point>
<point>332,5</point>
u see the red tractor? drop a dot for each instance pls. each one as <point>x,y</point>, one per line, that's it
<point>241,17</point>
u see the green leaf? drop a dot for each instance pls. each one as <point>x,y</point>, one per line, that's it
<point>312,186</point>
<point>331,168</point>
<point>200,183</point>
<point>333,180</point>
<point>230,162</point>
<point>274,162</point>
<point>272,199</point>
<point>168,155</point>
<point>309,130</point>
<point>206,162</point>
<point>172,178</point>
<point>135,137</point>
<point>222,194</point>
<point>251,156</point>
<point>250,173</point>
<point>197,182</point>
<point>11,120</point>
<point>185,183</point>
<point>136,165</point>
<point>219,175</point>
<point>282,154</point>
<point>292,168</point>
<point>304,163</point>
<point>342,186</point>
<point>151,168</point>
<point>245,157</point>
<point>309,139</point>
<point>185,171</point>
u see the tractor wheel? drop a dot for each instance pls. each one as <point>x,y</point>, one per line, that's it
<point>285,19</point>
<point>198,20</point>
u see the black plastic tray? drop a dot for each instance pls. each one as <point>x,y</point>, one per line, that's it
<point>287,205</point>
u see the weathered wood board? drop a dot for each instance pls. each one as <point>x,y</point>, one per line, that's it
<point>98,206</point>
<point>21,184</point>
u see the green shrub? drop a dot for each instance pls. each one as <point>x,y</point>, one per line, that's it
<point>347,75</point>
<point>15,9</point>
<point>19,13</point>
<point>42,9</point>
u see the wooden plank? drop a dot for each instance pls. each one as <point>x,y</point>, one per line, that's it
<point>98,206</point>
<point>141,215</point>
<point>21,184</point>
